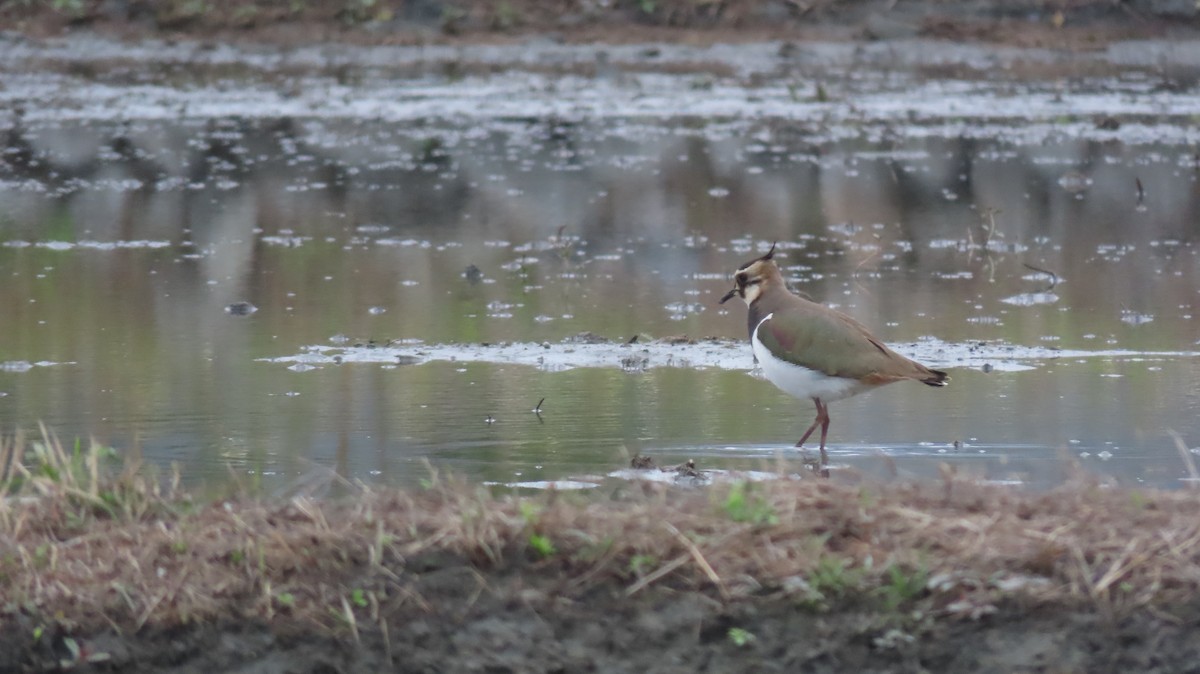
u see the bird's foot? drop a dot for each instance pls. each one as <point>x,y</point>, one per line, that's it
<point>810,459</point>
<point>817,463</point>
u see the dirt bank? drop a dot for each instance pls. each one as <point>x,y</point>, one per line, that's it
<point>126,574</point>
<point>1065,23</point>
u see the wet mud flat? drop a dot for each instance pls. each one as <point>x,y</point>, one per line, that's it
<point>1081,23</point>
<point>107,571</point>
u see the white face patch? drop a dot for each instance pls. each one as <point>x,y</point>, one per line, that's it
<point>752,292</point>
<point>750,280</point>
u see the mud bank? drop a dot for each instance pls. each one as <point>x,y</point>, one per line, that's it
<point>128,574</point>
<point>518,620</point>
<point>1079,24</point>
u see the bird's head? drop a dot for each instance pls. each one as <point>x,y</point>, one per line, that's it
<point>751,278</point>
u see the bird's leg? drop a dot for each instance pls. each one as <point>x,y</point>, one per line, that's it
<point>822,420</point>
<point>823,417</point>
<point>816,422</point>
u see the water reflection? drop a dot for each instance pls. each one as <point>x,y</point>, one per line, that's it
<point>123,246</point>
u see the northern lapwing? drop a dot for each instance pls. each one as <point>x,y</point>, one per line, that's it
<point>812,351</point>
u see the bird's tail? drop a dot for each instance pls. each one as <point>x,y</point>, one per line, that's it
<point>936,378</point>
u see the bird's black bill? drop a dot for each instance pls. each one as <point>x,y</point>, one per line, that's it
<point>728,296</point>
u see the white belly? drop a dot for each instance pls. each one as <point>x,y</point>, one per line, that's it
<point>800,381</point>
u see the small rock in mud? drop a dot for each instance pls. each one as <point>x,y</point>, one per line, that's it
<point>687,473</point>
<point>686,468</point>
<point>587,337</point>
<point>1074,182</point>
<point>240,309</point>
<point>642,462</point>
<point>472,274</point>
<point>636,363</point>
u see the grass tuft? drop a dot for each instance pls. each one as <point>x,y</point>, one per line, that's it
<point>740,637</point>
<point>84,483</point>
<point>744,504</point>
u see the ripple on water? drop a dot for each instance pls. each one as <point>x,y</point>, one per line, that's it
<point>26,366</point>
<point>1031,299</point>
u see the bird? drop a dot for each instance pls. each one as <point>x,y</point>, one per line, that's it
<point>813,351</point>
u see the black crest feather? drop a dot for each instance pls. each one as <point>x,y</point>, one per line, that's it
<point>770,254</point>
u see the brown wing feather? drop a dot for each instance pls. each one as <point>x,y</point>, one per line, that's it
<point>824,339</point>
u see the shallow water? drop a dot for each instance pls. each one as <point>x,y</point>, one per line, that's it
<point>272,268</point>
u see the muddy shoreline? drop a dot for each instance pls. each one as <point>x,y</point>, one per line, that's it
<point>524,618</point>
<point>118,574</point>
<point>111,568</point>
<point>1082,24</point>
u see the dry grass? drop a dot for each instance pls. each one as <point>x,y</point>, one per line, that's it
<point>89,546</point>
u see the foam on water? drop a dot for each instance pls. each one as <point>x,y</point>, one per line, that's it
<point>724,354</point>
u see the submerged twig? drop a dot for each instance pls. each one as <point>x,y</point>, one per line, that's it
<point>1186,455</point>
<point>859,266</point>
<point>989,228</point>
<point>1052,275</point>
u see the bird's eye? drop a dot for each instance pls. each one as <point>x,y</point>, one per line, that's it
<point>740,279</point>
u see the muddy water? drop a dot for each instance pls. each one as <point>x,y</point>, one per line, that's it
<point>263,269</point>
